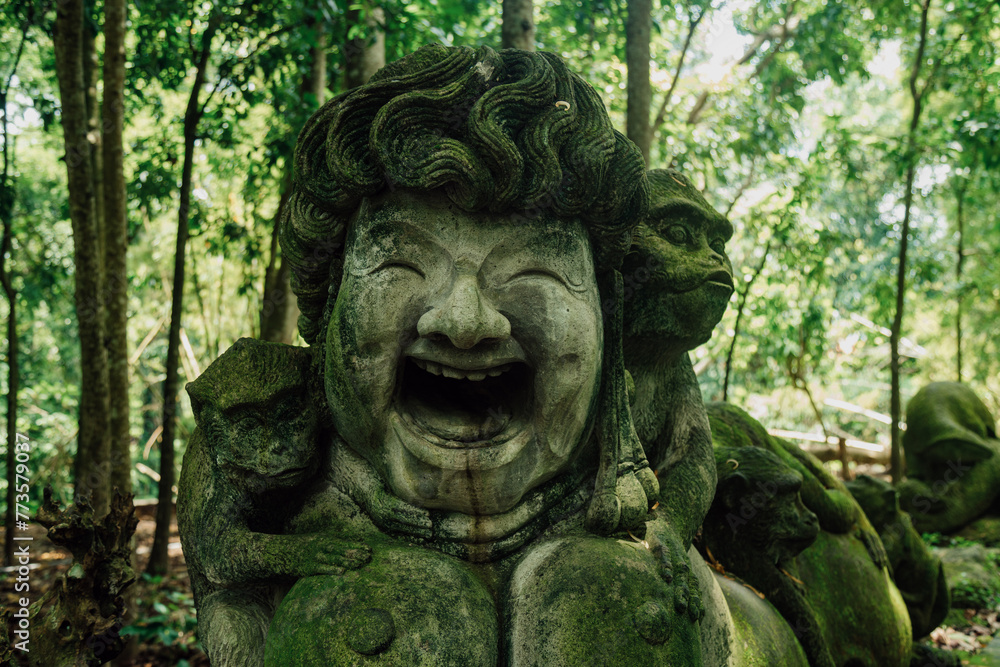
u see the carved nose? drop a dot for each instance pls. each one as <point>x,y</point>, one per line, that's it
<point>464,317</point>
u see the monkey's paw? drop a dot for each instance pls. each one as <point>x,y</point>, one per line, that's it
<point>675,569</point>
<point>329,554</point>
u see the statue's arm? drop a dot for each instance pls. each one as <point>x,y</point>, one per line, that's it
<point>235,555</point>
<point>686,486</point>
<point>219,545</point>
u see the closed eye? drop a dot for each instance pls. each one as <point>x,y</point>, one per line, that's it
<point>398,264</point>
<point>540,273</point>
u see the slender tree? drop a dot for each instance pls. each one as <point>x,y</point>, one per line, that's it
<point>279,312</point>
<point>7,282</point>
<point>640,92</point>
<point>116,242</point>
<point>740,307</point>
<point>364,46</point>
<point>517,30</point>
<point>158,560</point>
<point>91,464</point>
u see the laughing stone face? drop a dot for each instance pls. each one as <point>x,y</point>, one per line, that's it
<point>464,349</point>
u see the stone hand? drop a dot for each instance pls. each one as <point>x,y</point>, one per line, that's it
<point>675,569</point>
<point>323,553</point>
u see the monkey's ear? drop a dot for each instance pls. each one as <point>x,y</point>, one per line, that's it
<point>196,402</point>
<point>732,488</point>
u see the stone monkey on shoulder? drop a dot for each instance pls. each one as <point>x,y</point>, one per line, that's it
<point>262,434</point>
<point>678,281</point>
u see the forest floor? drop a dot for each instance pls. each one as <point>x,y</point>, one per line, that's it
<point>163,622</point>
<point>163,616</point>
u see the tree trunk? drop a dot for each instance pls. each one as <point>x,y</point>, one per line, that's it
<point>116,243</point>
<point>13,375</point>
<point>640,92</point>
<point>959,261</point>
<point>158,560</point>
<point>895,407</point>
<point>517,29</point>
<point>91,464</point>
<point>739,319</point>
<point>279,312</point>
<point>91,77</point>
<point>13,382</point>
<point>364,55</point>
<point>7,282</point>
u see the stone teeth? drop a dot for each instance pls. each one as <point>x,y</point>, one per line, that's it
<point>458,373</point>
<point>453,373</point>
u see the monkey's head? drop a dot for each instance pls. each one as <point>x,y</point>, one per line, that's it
<point>677,276</point>
<point>254,406</point>
<point>757,507</point>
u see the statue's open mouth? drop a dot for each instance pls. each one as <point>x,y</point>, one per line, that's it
<point>477,405</point>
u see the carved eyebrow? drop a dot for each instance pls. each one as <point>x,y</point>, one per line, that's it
<point>552,237</point>
<point>402,229</point>
<point>236,407</point>
<point>714,222</point>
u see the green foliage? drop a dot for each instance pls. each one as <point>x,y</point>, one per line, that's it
<point>166,616</point>
<point>939,540</point>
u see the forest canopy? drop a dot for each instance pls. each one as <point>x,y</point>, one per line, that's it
<point>855,146</point>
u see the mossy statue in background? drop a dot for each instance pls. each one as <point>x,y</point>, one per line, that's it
<point>869,629</point>
<point>455,234</point>
<point>952,458</point>
<point>918,574</point>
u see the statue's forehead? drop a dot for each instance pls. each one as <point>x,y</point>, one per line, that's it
<point>430,219</point>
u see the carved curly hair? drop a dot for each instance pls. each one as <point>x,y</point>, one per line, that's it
<point>509,132</point>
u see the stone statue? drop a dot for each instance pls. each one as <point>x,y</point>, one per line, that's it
<point>918,573</point>
<point>952,458</point>
<point>456,232</point>
<point>679,282</point>
<point>261,436</point>
<point>755,528</point>
<point>877,631</point>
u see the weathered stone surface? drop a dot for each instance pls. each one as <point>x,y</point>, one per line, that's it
<point>678,283</point>
<point>455,234</point>
<point>409,606</point>
<point>873,627</point>
<point>952,458</point>
<point>985,530</point>
<point>862,613</point>
<point>762,636</point>
<point>917,573</point>
<point>639,618</point>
